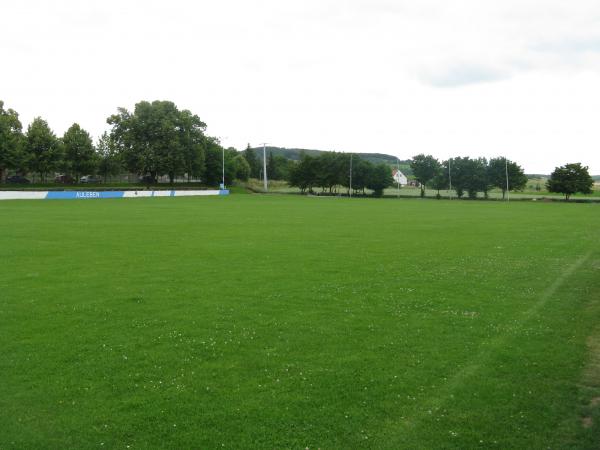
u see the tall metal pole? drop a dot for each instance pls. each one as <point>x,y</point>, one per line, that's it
<point>350,190</point>
<point>450,177</point>
<point>507,187</point>
<point>223,184</point>
<point>265,166</point>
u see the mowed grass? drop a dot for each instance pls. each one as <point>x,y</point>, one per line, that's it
<point>256,321</point>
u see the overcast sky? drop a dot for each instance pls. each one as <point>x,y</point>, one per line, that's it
<point>519,78</point>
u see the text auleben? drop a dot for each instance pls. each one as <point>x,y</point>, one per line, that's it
<point>88,195</point>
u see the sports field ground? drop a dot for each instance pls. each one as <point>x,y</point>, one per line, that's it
<point>257,321</point>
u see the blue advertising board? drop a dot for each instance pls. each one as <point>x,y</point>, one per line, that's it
<point>69,195</point>
<point>86,195</point>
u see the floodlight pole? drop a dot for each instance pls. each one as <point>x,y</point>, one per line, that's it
<point>222,161</point>
<point>506,169</point>
<point>350,190</point>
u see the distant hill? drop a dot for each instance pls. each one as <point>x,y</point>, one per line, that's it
<point>294,155</point>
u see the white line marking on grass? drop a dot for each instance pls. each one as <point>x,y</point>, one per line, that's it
<point>445,394</point>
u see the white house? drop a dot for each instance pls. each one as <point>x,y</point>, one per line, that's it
<point>399,177</point>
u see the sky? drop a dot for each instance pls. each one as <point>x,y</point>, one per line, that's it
<point>514,78</point>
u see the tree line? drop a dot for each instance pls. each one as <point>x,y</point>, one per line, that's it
<point>467,175</point>
<point>474,175</point>
<point>331,170</point>
<point>155,139</point>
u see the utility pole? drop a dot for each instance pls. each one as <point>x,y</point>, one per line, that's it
<point>265,167</point>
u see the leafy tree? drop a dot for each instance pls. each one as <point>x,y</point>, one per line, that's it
<point>361,171</point>
<point>214,163</point>
<point>277,167</point>
<point>440,180</point>
<point>158,139</point>
<point>333,170</point>
<point>193,143</point>
<point>282,167</point>
<point>497,171</point>
<point>304,173</point>
<point>242,168</point>
<point>11,141</point>
<point>271,168</point>
<point>161,121</point>
<point>343,170</point>
<point>79,154</point>
<point>468,175</point>
<point>380,177</point>
<point>43,148</point>
<point>478,178</point>
<point>424,168</point>
<point>253,161</point>
<point>330,170</point>
<point>570,179</point>
<point>109,162</point>
<point>458,173</point>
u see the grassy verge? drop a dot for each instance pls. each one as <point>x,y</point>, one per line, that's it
<point>291,322</point>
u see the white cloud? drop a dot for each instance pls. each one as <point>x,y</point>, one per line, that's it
<point>478,77</point>
<point>461,74</point>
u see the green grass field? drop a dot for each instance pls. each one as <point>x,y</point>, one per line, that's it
<point>256,321</point>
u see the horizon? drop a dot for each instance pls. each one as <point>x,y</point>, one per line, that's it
<point>405,161</point>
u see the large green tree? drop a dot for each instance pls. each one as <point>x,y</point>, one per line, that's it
<point>478,180</point>
<point>468,175</point>
<point>379,179</point>
<point>440,180</point>
<point>242,168</point>
<point>328,174</point>
<point>304,173</point>
<point>80,157</point>
<point>214,163</point>
<point>458,173</point>
<point>253,161</point>
<point>272,172</point>
<point>570,179</point>
<point>193,143</point>
<point>424,168</point>
<point>499,169</point>
<point>44,150</point>
<point>330,170</point>
<point>158,139</point>
<point>11,141</point>
<point>361,171</point>
<point>109,162</point>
